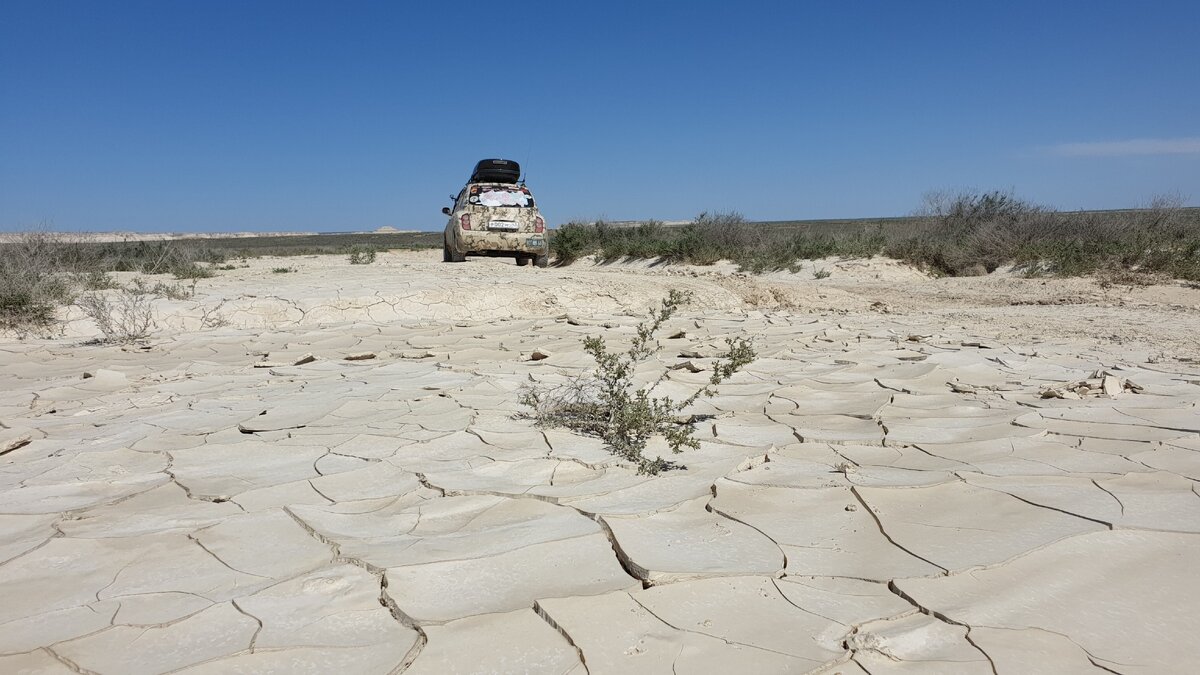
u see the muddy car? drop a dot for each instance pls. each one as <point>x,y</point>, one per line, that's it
<point>495,215</point>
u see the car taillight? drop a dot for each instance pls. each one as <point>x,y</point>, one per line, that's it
<point>465,221</point>
<point>539,225</point>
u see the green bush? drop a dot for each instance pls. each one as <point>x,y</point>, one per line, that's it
<point>607,405</point>
<point>575,240</point>
<point>362,255</point>
<point>953,234</point>
<point>32,282</point>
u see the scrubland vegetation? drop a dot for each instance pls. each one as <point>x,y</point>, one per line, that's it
<point>41,270</point>
<point>951,234</point>
<point>962,234</point>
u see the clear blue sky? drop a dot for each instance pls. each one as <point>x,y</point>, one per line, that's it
<point>220,115</point>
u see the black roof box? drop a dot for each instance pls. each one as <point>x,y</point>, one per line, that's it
<point>496,171</point>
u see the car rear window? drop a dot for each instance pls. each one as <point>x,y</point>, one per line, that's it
<point>498,195</point>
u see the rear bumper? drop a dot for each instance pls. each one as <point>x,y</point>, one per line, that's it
<point>471,241</point>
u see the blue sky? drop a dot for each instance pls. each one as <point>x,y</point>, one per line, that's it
<point>220,116</point>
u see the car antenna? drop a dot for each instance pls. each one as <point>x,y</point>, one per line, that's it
<point>525,166</point>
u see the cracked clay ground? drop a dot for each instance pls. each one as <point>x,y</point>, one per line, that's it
<point>885,490</point>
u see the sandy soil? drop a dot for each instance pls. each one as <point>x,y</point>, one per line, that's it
<point>325,470</point>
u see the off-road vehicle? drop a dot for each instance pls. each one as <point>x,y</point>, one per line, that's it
<point>495,215</point>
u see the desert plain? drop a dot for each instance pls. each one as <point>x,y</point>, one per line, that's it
<point>328,470</point>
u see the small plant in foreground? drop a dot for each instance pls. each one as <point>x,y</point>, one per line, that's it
<point>606,404</point>
<point>821,273</point>
<point>282,270</point>
<point>362,255</point>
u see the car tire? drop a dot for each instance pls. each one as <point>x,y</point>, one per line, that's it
<point>523,260</point>
<point>541,261</point>
<point>448,254</point>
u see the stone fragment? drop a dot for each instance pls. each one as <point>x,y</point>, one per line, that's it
<point>298,361</point>
<point>417,354</point>
<point>11,439</point>
<point>1111,386</point>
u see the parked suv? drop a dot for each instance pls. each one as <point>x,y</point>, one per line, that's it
<point>495,215</point>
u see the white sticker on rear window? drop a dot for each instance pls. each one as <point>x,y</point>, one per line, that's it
<point>503,198</point>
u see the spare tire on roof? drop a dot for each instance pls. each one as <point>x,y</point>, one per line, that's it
<point>496,171</point>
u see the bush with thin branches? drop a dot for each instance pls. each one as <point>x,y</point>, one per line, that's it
<point>32,283</point>
<point>607,405</point>
<point>123,317</point>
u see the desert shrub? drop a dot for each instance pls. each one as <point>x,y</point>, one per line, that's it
<point>755,247</point>
<point>174,291</point>
<point>575,240</point>
<point>94,280</point>
<point>183,260</point>
<point>359,255</point>
<point>967,232</point>
<point>952,234</point>
<point>123,317</point>
<point>32,282</point>
<point>605,404</point>
<point>821,273</point>
<point>24,308</point>
<point>286,270</point>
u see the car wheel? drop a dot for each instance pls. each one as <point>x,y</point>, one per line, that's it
<point>522,260</point>
<point>448,254</point>
<point>541,261</point>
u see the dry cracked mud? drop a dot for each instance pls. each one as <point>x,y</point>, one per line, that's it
<point>324,472</point>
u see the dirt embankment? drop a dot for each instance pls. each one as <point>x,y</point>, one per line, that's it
<point>415,286</point>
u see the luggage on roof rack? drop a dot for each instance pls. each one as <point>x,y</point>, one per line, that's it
<point>496,171</point>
